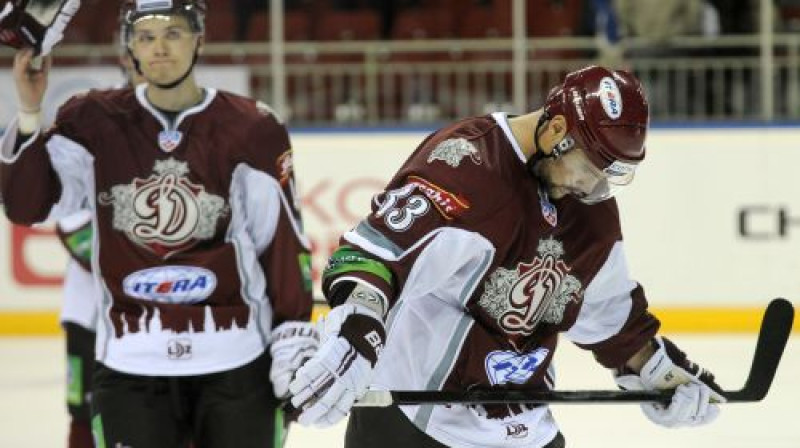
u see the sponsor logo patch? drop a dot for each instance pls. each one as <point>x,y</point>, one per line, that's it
<point>516,430</point>
<point>172,284</point>
<point>449,205</point>
<point>152,5</point>
<point>619,168</point>
<point>503,367</point>
<point>179,349</point>
<point>610,98</point>
<point>577,101</point>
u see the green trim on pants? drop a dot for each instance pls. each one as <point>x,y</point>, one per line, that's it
<point>280,433</point>
<point>97,432</point>
<point>75,380</point>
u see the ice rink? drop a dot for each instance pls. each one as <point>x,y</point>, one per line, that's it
<point>32,413</point>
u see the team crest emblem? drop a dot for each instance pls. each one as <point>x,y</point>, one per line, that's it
<point>169,140</point>
<point>165,212</point>
<point>518,299</point>
<point>453,150</point>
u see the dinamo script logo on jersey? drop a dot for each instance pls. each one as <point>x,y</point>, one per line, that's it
<point>165,212</point>
<point>537,291</point>
<point>171,284</point>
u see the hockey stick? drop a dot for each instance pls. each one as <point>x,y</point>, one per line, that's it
<point>776,326</point>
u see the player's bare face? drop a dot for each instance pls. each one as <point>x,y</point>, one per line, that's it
<point>164,46</point>
<point>572,173</point>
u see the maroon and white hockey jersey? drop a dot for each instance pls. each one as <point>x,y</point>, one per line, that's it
<point>80,293</point>
<point>198,246</point>
<point>488,271</point>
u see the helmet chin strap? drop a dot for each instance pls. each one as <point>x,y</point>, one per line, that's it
<point>539,154</point>
<point>177,82</point>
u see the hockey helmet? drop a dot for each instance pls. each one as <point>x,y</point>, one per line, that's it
<point>607,115</point>
<point>134,10</point>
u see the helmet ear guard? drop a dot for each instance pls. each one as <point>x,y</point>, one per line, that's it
<point>563,146</point>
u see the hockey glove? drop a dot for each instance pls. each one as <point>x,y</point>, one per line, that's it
<point>326,387</point>
<point>696,393</point>
<point>293,343</point>
<point>38,24</point>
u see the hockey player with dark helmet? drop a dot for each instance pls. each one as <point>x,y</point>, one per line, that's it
<point>607,115</point>
<point>192,184</point>
<point>133,11</point>
<point>497,236</point>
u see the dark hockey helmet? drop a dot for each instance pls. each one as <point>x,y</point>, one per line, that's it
<point>607,115</point>
<point>134,10</point>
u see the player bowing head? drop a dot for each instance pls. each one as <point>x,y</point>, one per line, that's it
<point>590,137</point>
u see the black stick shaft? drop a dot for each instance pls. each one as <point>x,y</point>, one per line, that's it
<point>526,397</point>
<point>776,326</point>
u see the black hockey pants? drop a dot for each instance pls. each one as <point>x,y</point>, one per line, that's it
<point>235,408</point>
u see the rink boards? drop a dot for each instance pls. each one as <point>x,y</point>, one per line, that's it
<point>711,223</point>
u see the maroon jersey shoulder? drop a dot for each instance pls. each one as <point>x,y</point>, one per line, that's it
<point>79,117</point>
<point>258,134</point>
<point>462,169</point>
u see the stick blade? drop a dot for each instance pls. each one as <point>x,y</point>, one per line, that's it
<point>776,326</point>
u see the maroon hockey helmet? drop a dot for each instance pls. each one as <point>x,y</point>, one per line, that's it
<point>133,10</point>
<point>607,115</point>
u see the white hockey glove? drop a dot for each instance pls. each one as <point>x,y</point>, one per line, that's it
<point>326,387</point>
<point>696,393</point>
<point>39,24</point>
<point>293,343</point>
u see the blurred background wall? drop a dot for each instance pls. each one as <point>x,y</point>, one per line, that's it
<point>712,223</point>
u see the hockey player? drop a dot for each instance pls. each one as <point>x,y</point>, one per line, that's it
<point>81,298</point>
<point>198,247</point>
<point>496,236</point>
<point>80,302</point>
